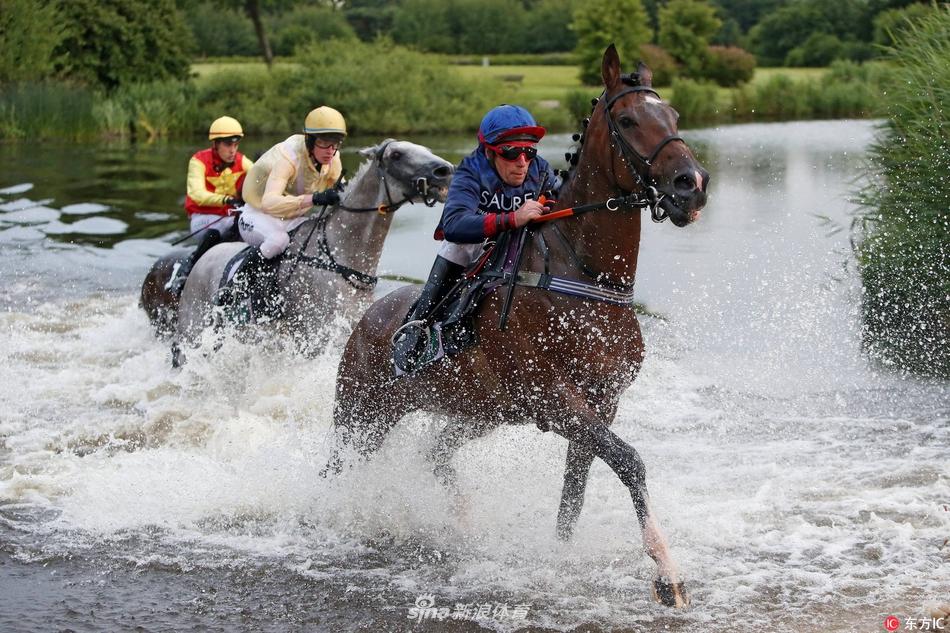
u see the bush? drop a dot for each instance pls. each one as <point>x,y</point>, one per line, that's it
<point>221,31</point>
<point>696,101</point>
<point>662,64</point>
<point>820,49</point>
<point>151,110</point>
<point>904,250</point>
<point>578,103</point>
<point>729,65</point>
<point>401,92</point>
<point>306,25</point>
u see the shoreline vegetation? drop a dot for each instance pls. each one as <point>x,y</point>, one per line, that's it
<point>405,91</point>
<point>903,231</point>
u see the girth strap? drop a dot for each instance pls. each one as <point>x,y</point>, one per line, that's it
<point>568,286</point>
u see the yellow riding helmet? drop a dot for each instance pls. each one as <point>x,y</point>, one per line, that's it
<point>324,120</point>
<point>225,127</point>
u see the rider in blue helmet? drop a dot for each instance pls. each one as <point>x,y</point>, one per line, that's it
<point>494,189</point>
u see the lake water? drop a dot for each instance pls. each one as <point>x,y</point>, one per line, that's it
<point>802,488</point>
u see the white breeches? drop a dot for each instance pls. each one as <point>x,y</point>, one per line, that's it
<point>461,254</point>
<point>200,221</point>
<point>266,231</point>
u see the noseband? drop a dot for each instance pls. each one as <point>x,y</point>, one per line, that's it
<point>420,188</point>
<point>631,155</point>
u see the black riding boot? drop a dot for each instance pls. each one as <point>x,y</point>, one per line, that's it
<point>260,279</point>
<point>180,274</point>
<point>409,345</point>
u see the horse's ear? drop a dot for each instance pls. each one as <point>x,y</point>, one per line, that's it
<point>369,152</point>
<point>610,68</point>
<point>646,75</point>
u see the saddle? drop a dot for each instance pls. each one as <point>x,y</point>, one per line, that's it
<point>451,323</point>
<point>248,292</point>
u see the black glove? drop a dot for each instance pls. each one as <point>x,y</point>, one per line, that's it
<point>232,201</point>
<point>326,198</point>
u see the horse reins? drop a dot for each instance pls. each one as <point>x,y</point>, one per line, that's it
<point>630,154</point>
<point>650,197</point>
<point>324,259</point>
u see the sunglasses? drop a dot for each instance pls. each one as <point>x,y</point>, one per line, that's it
<point>512,152</point>
<point>327,144</point>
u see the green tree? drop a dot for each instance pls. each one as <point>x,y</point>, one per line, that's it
<point>746,13</point>
<point>598,23</point>
<point>548,27</point>
<point>686,27</point>
<point>424,24</point>
<point>306,24</point>
<point>790,27</point>
<point>29,35</point>
<point>114,42</point>
<point>221,31</point>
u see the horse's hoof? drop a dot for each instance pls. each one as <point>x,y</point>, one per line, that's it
<point>670,594</point>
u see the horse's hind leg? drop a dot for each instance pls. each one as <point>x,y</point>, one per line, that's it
<point>576,470</point>
<point>626,463</point>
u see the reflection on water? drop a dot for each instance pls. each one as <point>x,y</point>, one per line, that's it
<point>802,489</point>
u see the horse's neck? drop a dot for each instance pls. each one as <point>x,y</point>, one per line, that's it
<point>606,242</point>
<point>355,238</point>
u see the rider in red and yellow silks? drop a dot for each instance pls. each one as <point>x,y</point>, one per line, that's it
<point>215,183</point>
<point>216,175</point>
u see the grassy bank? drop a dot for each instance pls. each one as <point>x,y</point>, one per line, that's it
<point>904,255</point>
<point>401,92</point>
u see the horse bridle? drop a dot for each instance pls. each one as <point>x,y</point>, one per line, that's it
<point>631,155</point>
<point>324,258</point>
<point>420,186</point>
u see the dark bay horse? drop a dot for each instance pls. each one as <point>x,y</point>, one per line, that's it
<point>563,361</point>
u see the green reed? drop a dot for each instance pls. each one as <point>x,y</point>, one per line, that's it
<point>903,231</point>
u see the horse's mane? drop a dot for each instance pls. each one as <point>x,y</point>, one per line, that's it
<point>362,169</point>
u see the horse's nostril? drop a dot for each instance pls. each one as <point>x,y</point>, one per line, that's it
<point>684,182</point>
<point>442,172</point>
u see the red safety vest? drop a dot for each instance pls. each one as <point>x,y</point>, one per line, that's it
<point>219,178</point>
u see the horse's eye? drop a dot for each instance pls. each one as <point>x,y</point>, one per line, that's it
<point>626,122</point>
<point>396,155</point>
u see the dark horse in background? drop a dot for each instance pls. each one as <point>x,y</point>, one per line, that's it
<point>563,361</point>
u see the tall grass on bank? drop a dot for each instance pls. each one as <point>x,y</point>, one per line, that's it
<point>47,110</point>
<point>846,90</point>
<point>904,255</point>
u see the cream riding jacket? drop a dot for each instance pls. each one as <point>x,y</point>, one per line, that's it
<point>282,181</point>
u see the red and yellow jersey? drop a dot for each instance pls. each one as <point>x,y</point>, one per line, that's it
<point>210,180</point>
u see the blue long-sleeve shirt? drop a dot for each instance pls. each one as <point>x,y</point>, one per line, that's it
<point>480,205</point>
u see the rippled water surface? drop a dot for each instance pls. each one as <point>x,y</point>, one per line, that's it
<point>802,489</point>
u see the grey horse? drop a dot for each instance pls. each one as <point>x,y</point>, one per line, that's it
<point>328,271</point>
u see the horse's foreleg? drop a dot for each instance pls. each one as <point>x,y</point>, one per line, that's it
<point>624,460</point>
<point>579,458</point>
<point>455,433</point>
<point>446,444</point>
<point>362,419</point>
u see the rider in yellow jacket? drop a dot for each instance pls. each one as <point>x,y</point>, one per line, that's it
<point>291,178</point>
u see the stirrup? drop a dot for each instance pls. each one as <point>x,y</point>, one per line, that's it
<point>420,323</point>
